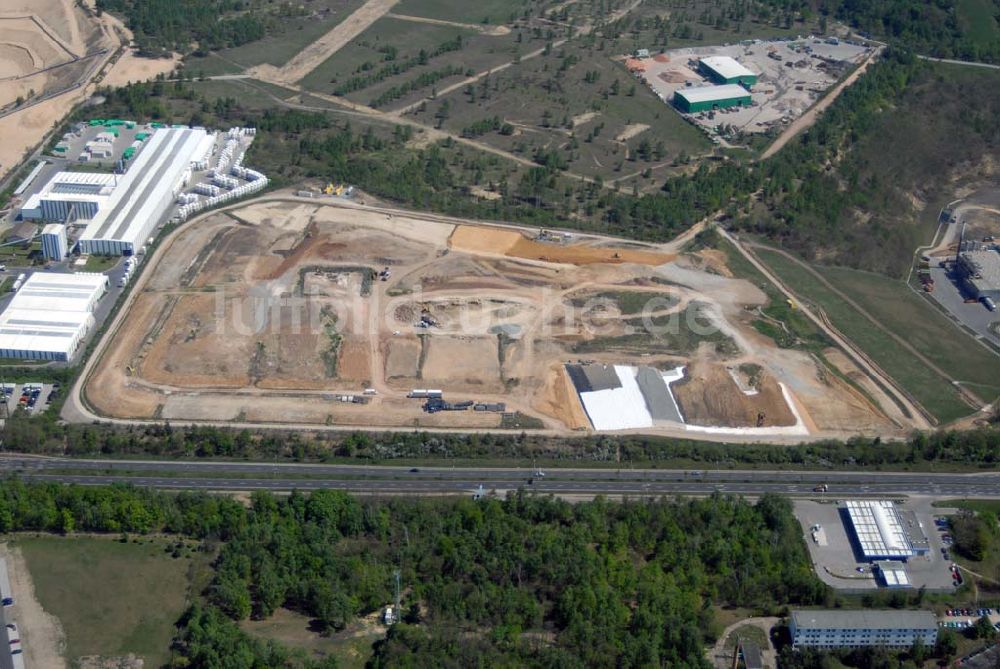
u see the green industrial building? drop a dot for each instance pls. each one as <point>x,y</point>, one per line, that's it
<point>707,98</point>
<point>725,70</point>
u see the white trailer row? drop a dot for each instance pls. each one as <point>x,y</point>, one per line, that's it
<point>186,210</point>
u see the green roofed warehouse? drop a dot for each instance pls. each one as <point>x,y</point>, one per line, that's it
<point>706,98</point>
<point>726,70</point>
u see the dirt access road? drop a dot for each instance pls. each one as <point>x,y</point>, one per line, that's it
<point>316,53</point>
<point>807,119</point>
<point>41,633</point>
<point>897,398</point>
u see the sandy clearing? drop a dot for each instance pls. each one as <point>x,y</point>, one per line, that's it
<point>26,128</point>
<point>41,633</point>
<point>586,117</point>
<point>483,239</point>
<point>560,400</point>
<point>631,131</point>
<point>316,53</point>
<point>131,68</point>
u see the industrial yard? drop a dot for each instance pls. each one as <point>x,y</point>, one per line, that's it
<point>316,311</point>
<point>790,76</point>
<point>863,545</point>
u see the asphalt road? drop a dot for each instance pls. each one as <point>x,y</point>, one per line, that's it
<point>6,659</point>
<point>448,480</point>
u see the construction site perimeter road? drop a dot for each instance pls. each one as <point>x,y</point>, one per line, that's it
<point>807,119</point>
<point>77,409</point>
<point>910,407</point>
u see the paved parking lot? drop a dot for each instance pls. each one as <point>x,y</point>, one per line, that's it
<point>838,562</point>
<point>974,315</point>
<point>31,397</point>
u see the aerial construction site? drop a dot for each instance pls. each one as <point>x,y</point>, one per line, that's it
<point>300,311</point>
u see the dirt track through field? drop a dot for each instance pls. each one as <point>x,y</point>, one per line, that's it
<point>41,633</point>
<point>316,53</point>
<point>485,29</point>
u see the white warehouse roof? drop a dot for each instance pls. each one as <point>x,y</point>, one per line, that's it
<point>144,192</point>
<point>713,93</point>
<point>49,316</point>
<point>879,528</point>
<point>727,67</point>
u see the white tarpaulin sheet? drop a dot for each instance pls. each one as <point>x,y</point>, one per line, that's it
<point>618,408</point>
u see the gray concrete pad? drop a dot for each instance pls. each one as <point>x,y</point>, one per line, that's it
<point>792,75</point>
<point>838,561</point>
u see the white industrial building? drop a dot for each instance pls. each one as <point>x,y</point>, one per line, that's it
<point>71,196</point>
<point>54,245</point>
<point>884,531</point>
<point>853,629</point>
<point>145,192</point>
<point>50,315</point>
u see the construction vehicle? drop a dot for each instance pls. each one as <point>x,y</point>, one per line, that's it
<point>328,190</point>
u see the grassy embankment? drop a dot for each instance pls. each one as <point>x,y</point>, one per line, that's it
<point>113,598</point>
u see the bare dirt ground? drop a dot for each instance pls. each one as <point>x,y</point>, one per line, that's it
<point>130,68</point>
<point>59,27</point>
<point>313,55</point>
<point>273,312</point>
<point>41,633</point>
<point>807,119</point>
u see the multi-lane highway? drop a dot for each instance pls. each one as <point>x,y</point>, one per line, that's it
<point>221,476</point>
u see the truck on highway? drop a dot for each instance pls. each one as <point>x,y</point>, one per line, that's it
<point>822,487</point>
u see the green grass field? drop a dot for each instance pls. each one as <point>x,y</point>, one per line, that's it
<point>927,329</point>
<point>977,20</point>
<point>365,56</point>
<point>111,598</point>
<point>493,12</point>
<point>903,316</point>
<point>352,648</point>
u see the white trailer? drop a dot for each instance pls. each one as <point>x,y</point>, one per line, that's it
<point>6,593</point>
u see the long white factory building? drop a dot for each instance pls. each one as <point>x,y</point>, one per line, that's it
<point>50,315</point>
<point>145,191</point>
<point>120,210</point>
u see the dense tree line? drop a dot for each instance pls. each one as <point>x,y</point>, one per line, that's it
<point>175,24</point>
<point>932,27</point>
<point>978,448</point>
<point>629,581</point>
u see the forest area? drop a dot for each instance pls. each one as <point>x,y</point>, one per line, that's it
<point>523,581</point>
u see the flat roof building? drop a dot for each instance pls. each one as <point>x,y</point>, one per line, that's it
<point>885,532</point>
<point>706,98</point>
<point>853,629</point>
<point>892,574</point>
<point>145,192</point>
<point>71,196</point>
<point>54,245</point>
<point>980,271</point>
<point>726,70</point>
<point>50,315</point>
